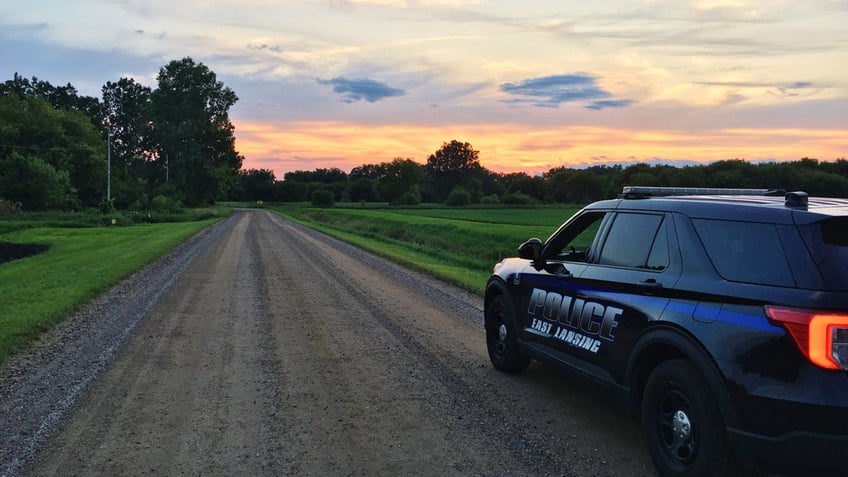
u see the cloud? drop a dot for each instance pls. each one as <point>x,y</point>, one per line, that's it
<point>787,89</point>
<point>609,103</point>
<point>361,89</point>
<point>28,28</point>
<point>754,84</point>
<point>551,91</point>
<point>85,69</point>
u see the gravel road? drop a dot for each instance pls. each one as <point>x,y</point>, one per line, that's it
<point>260,347</point>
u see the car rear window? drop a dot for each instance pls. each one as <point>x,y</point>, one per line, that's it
<point>828,244</point>
<point>746,252</point>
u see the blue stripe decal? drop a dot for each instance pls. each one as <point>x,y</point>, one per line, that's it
<point>748,321</point>
<point>728,317</point>
<point>681,308</point>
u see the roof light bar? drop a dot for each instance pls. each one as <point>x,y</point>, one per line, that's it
<point>657,191</point>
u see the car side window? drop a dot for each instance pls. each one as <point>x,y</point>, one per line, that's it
<point>573,241</point>
<point>659,259</point>
<point>636,240</point>
<point>746,252</point>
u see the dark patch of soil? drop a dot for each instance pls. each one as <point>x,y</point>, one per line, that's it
<point>13,251</point>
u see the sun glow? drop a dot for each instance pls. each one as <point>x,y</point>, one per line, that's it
<point>519,148</point>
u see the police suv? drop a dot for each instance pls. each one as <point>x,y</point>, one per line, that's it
<point>719,315</point>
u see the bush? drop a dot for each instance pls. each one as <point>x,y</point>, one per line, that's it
<point>490,200</point>
<point>409,198</point>
<point>323,198</point>
<point>162,203</point>
<point>107,206</point>
<point>458,197</point>
<point>517,198</point>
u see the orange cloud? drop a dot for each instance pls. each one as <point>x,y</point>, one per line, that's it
<point>517,147</point>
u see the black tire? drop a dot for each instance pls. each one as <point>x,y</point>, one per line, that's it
<point>682,425</point>
<point>501,338</point>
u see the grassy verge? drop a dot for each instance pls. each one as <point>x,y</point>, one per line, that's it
<point>39,291</point>
<point>459,246</point>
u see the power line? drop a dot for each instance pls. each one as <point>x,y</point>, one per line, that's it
<point>40,148</point>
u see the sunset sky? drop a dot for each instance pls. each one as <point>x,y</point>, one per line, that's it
<point>531,85</point>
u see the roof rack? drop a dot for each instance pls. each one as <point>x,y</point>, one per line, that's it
<point>633,192</point>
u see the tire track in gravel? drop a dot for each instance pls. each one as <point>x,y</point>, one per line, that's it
<point>360,406</point>
<point>465,405</point>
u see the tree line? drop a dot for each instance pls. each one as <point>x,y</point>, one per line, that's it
<point>453,175</point>
<point>132,148</point>
<point>143,148</point>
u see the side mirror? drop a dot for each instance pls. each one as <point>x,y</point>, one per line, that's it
<point>532,250</point>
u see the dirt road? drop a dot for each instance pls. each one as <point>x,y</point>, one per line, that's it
<point>278,351</point>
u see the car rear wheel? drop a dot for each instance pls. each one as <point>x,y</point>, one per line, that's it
<point>681,423</point>
<point>501,339</point>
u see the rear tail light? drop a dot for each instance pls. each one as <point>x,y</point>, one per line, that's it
<point>822,336</point>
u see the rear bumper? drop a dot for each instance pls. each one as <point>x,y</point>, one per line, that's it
<point>792,454</point>
<point>795,426</point>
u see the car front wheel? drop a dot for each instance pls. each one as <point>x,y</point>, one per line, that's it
<point>681,423</point>
<point>501,339</point>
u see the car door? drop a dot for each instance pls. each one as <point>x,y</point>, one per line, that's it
<point>593,296</point>
<point>628,283</point>
<point>548,291</point>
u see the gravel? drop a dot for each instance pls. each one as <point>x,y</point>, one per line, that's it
<point>40,387</point>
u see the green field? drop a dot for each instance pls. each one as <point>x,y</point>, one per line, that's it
<point>457,245</point>
<point>39,291</point>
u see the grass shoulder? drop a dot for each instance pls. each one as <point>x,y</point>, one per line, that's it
<point>82,260</point>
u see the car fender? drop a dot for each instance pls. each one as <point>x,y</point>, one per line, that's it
<point>497,286</point>
<point>668,342</point>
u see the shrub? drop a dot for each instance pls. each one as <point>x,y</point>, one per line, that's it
<point>322,198</point>
<point>409,198</point>
<point>162,203</point>
<point>458,197</point>
<point>490,200</point>
<point>107,206</point>
<point>517,198</point>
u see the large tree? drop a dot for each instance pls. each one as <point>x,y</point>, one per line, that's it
<point>60,97</point>
<point>126,110</point>
<point>192,131</point>
<point>255,184</point>
<point>452,165</point>
<point>454,158</point>
<point>399,181</point>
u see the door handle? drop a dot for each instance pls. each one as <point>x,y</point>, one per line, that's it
<point>650,284</point>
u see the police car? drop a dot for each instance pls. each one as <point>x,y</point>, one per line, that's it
<point>719,316</point>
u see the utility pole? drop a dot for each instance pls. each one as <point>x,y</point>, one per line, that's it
<point>109,165</point>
